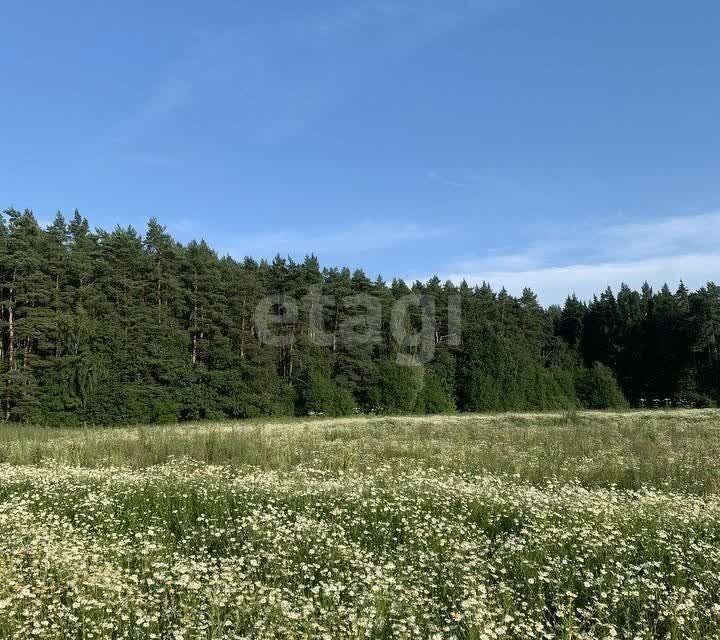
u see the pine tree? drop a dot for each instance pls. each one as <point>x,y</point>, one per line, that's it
<point>111,327</point>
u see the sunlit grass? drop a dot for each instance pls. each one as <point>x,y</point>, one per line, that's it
<point>554,525</point>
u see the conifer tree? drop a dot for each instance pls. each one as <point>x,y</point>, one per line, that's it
<point>113,327</point>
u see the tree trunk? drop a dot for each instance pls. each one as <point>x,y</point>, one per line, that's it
<point>57,316</point>
<point>159,294</point>
<point>11,334</point>
<point>335,328</point>
<point>242,332</point>
<point>194,335</point>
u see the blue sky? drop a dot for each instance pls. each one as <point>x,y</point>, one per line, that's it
<point>564,145</point>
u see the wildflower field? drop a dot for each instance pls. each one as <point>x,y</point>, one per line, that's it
<point>590,525</point>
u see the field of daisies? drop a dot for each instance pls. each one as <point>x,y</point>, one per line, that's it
<point>589,525</point>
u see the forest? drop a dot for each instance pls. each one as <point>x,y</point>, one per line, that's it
<point>101,327</point>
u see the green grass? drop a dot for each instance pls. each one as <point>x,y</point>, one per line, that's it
<point>518,525</point>
<point>676,450</point>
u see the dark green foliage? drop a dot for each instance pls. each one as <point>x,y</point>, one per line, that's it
<point>321,395</point>
<point>597,388</point>
<point>401,388</point>
<point>118,327</point>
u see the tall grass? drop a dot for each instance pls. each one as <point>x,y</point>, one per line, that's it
<point>677,450</point>
<point>574,525</point>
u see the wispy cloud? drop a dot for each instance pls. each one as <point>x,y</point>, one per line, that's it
<point>674,234</point>
<point>418,19</point>
<point>348,242</point>
<point>659,251</point>
<point>203,67</point>
<point>278,78</point>
<point>148,159</point>
<point>164,99</point>
<point>465,179</point>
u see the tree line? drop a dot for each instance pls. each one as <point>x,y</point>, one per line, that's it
<point>101,327</point>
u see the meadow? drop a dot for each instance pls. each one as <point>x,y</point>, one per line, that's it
<point>572,525</point>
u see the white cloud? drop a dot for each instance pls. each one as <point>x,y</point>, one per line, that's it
<point>668,235</point>
<point>554,284</point>
<point>659,251</point>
